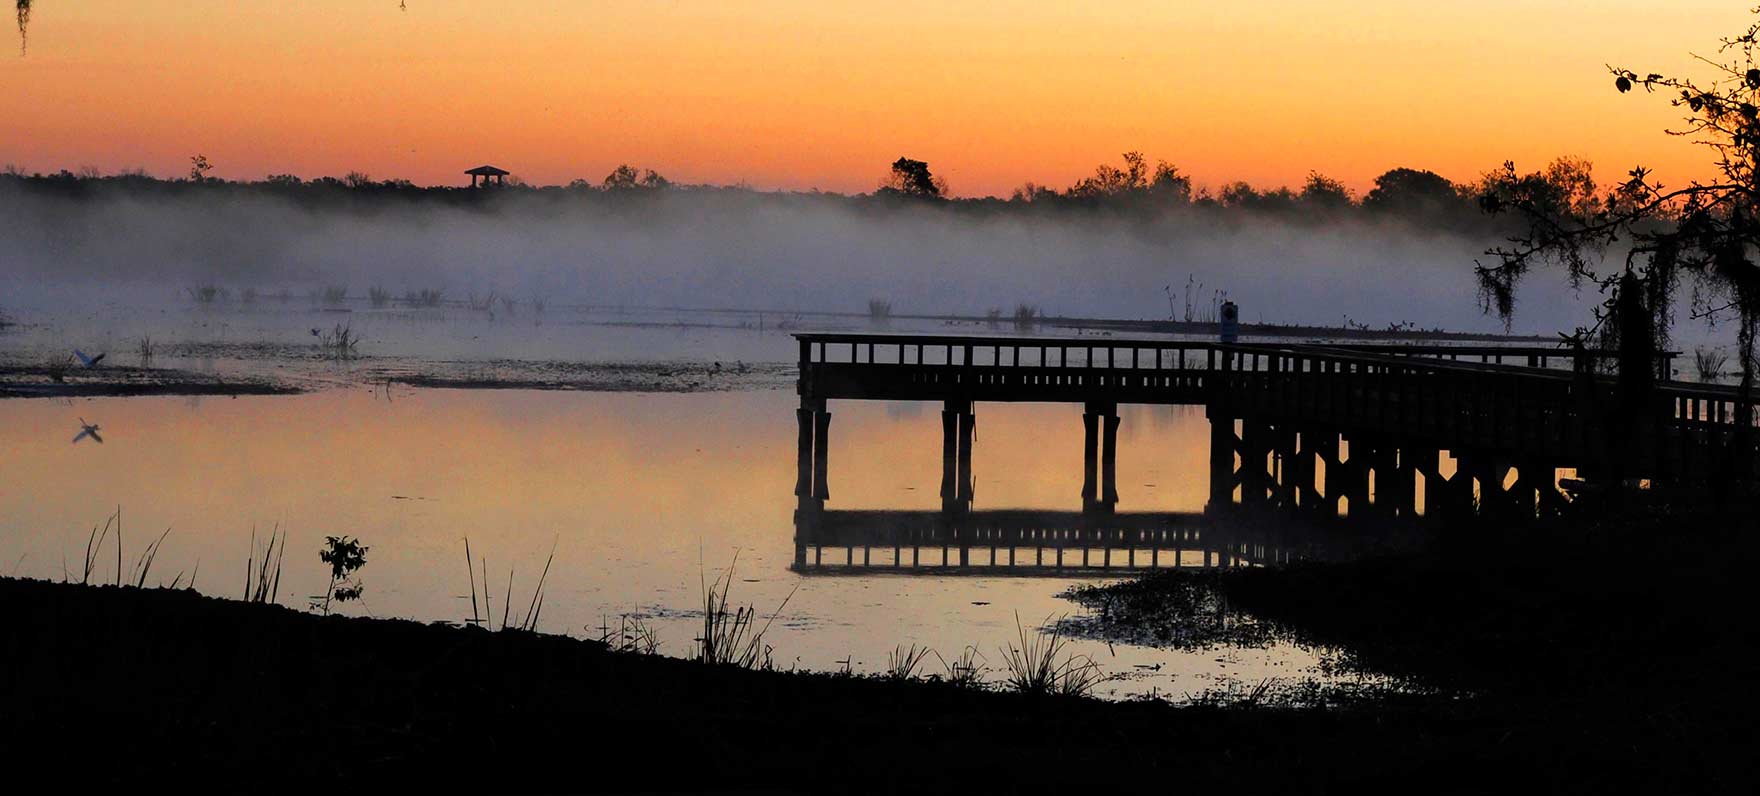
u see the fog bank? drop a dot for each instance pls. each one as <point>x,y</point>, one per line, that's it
<point>735,249</point>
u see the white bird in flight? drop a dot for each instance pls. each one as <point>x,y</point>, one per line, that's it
<point>90,362</point>
<point>88,430</point>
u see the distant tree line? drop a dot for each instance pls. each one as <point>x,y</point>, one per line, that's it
<point>1130,188</point>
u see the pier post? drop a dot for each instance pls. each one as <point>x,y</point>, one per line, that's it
<point>803,484</point>
<point>949,457</point>
<point>957,428</point>
<point>1090,458</point>
<point>1325,448</point>
<point>967,431</point>
<point>1255,448</point>
<point>1222,450</point>
<point>1109,460</point>
<point>821,464</point>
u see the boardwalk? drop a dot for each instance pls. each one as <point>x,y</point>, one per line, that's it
<point>1484,429</point>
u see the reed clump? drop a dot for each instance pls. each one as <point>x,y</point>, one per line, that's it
<point>731,636</point>
<point>1041,665</point>
<point>339,343</point>
<point>483,611</point>
<point>378,296</point>
<point>262,575</point>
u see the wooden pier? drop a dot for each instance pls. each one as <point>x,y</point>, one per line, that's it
<point>1376,419</point>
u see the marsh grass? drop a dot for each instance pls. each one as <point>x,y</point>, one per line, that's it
<point>902,662</point>
<point>485,303</point>
<point>95,547</point>
<point>879,310</point>
<point>1041,665</point>
<point>250,295</point>
<point>335,295</point>
<point>207,294</point>
<point>965,671</point>
<point>262,577</point>
<point>426,297</point>
<point>143,564</point>
<point>145,350</point>
<point>483,610</point>
<point>56,367</point>
<point>1709,363</point>
<point>731,636</point>
<point>378,296</point>
<point>339,343</point>
<point>632,635</point>
<point>1026,317</point>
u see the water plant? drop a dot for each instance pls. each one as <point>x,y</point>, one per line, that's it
<point>345,556</point>
<point>207,294</point>
<point>262,577</point>
<point>145,349</point>
<point>902,662</point>
<point>1041,665</point>
<point>335,294</point>
<point>95,546</point>
<point>485,303</point>
<point>632,635</point>
<point>1026,317</point>
<point>965,671</point>
<point>879,310</point>
<point>378,296</point>
<point>339,343</point>
<point>732,637</point>
<point>485,617</point>
<point>426,297</point>
<point>1709,363</point>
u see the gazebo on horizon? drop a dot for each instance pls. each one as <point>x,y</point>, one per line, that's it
<point>486,173</point>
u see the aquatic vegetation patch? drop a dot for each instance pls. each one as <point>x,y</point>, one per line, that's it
<point>1177,610</point>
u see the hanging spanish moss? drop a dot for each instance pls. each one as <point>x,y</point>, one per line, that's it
<point>24,19</point>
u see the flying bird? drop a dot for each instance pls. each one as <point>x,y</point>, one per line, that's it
<point>88,430</point>
<point>90,362</point>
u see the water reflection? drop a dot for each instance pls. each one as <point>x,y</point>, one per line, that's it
<point>1032,542</point>
<point>643,495</point>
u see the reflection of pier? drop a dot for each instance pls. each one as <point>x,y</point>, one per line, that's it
<point>1321,431</point>
<point>1023,542</point>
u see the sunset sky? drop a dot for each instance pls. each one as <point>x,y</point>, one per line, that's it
<point>799,95</point>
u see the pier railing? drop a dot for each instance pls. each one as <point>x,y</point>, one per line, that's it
<point>1425,391</point>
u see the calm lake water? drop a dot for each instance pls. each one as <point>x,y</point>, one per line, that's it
<point>643,496</point>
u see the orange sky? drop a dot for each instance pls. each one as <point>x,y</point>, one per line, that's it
<point>784,94</point>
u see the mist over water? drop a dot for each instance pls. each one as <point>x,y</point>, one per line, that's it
<point>736,249</point>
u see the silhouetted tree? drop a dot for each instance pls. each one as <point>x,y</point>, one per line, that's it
<point>1414,194</point>
<point>1110,181</point>
<point>199,168</point>
<point>912,178</point>
<point>1707,231</point>
<point>1325,194</point>
<point>1168,186</point>
<point>626,177</point>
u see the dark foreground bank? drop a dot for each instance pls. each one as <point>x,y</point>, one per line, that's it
<point>158,687</point>
<point>1621,637</point>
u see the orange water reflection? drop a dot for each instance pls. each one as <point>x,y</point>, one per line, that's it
<point>642,494</point>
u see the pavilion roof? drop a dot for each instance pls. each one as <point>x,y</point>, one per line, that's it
<point>488,171</point>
